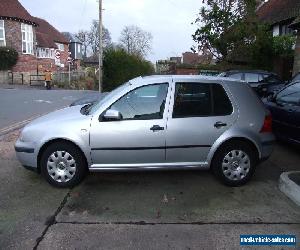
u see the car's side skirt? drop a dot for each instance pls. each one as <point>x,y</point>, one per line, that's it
<point>148,166</point>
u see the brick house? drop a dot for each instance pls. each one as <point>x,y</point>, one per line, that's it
<point>283,16</point>
<point>192,58</point>
<point>35,40</point>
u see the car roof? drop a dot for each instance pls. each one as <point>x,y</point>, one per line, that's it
<point>184,77</point>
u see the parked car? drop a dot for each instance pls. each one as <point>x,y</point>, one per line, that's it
<point>263,82</point>
<point>89,99</point>
<point>158,122</point>
<point>285,109</point>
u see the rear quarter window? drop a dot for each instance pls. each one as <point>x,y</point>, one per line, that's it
<point>221,104</point>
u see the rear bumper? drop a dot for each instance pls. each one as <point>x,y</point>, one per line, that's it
<point>267,148</point>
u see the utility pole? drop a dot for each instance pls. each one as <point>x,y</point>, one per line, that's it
<point>100,46</point>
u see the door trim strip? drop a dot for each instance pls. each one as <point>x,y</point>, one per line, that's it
<point>150,148</point>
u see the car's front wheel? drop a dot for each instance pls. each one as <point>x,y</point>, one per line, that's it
<point>63,165</point>
<point>234,163</point>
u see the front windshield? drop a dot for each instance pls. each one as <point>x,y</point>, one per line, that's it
<point>98,104</point>
<point>290,94</point>
<point>296,78</point>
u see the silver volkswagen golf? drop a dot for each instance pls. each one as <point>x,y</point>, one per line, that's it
<point>153,123</point>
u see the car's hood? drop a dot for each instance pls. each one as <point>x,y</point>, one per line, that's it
<point>69,113</point>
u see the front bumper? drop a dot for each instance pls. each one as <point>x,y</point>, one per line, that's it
<point>26,154</point>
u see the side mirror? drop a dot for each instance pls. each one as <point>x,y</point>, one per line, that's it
<point>112,115</point>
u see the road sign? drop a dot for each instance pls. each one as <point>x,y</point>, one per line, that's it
<point>57,54</point>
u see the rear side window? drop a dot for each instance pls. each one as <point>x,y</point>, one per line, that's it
<point>192,99</point>
<point>251,77</point>
<point>237,76</point>
<point>200,100</point>
<point>222,105</point>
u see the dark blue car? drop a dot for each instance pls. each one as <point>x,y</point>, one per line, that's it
<point>285,109</point>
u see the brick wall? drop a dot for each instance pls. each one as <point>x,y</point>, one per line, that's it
<point>3,76</point>
<point>28,64</point>
<point>182,71</point>
<point>13,34</point>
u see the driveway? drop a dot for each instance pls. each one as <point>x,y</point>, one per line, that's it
<point>146,210</point>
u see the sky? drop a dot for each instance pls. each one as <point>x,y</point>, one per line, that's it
<point>169,21</point>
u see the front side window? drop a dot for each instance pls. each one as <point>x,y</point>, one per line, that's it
<point>290,95</point>
<point>2,33</point>
<point>144,103</point>
<point>270,79</point>
<point>27,38</point>
<point>200,100</point>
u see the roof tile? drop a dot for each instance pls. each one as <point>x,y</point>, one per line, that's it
<point>275,11</point>
<point>14,9</point>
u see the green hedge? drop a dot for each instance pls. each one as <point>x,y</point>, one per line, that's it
<point>120,66</point>
<point>8,58</point>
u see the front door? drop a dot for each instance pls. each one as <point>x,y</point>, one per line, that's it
<point>201,113</point>
<point>139,137</point>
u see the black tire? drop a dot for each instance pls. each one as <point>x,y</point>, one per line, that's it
<point>233,177</point>
<point>80,167</point>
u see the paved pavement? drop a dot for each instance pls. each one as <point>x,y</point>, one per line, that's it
<point>18,103</point>
<point>157,210</point>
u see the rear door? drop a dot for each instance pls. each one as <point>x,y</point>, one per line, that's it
<point>199,114</point>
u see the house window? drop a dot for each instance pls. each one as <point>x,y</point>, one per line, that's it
<point>2,33</point>
<point>285,30</point>
<point>276,30</point>
<point>79,47</point>
<point>60,46</point>
<point>45,53</point>
<point>27,39</point>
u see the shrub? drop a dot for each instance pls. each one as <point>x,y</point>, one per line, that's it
<point>120,66</point>
<point>8,58</point>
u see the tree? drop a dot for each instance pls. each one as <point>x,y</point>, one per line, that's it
<point>226,27</point>
<point>93,37</point>
<point>8,58</point>
<point>120,66</point>
<point>82,36</point>
<point>283,45</point>
<point>136,41</point>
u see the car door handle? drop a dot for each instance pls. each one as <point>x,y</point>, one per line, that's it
<point>156,128</point>
<point>220,124</point>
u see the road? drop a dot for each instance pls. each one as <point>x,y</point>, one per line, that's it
<point>145,210</point>
<point>17,104</point>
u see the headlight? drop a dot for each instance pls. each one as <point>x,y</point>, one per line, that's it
<point>21,137</point>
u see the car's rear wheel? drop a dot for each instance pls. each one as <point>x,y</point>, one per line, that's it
<point>234,163</point>
<point>63,165</point>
